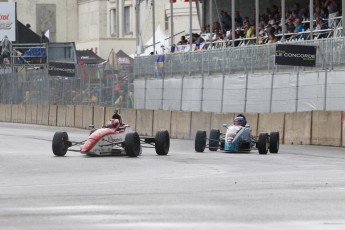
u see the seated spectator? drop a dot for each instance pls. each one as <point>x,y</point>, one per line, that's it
<point>277,28</point>
<point>320,24</point>
<point>299,29</point>
<point>272,38</point>
<point>197,39</point>
<point>250,31</point>
<point>298,26</point>
<point>290,27</point>
<point>271,20</point>
<point>183,41</point>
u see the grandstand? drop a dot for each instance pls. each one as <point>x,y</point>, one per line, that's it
<point>221,74</point>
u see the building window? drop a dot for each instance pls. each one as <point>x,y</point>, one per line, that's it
<point>126,20</point>
<point>113,23</point>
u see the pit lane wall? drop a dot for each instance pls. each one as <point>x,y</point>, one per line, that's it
<point>308,128</point>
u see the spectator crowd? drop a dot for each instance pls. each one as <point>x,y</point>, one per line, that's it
<point>270,28</point>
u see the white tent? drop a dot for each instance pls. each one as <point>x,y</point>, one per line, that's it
<point>159,40</point>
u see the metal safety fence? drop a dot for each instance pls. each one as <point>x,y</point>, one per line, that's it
<point>93,85</point>
<point>250,59</point>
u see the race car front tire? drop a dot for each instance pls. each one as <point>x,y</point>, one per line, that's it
<point>200,141</point>
<point>132,144</point>
<point>262,143</point>
<point>60,144</point>
<point>162,142</point>
<point>213,144</point>
<point>274,142</point>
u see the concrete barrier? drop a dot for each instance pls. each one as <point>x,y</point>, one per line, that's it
<point>8,115</point>
<point>161,120</point>
<point>34,108</point>
<point>52,115</point>
<point>297,128</point>
<point>218,119</point>
<point>343,129</point>
<point>129,116</point>
<point>316,127</point>
<point>18,113</point>
<point>61,115</point>
<point>253,121</point>
<point>78,116</point>
<point>98,116</point>
<point>45,115</point>
<point>144,122</point>
<point>269,122</point>
<point>87,116</point>
<point>39,114</point>
<point>30,113</point>
<point>2,112</point>
<point>70,116</point>
<point>109,111</point>
<point>326,128</point>
<point>200,120</point>
<point>181,124</point>
<point>14,113</point>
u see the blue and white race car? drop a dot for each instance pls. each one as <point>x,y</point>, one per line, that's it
<point>237,138</point>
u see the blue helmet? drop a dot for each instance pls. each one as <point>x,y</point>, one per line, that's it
<point>238,121</point>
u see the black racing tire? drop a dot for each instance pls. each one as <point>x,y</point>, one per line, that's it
<point>274,142</point>
<point>262,143</point>
<point>132,144</point>
<point>162,142</point>
<point>200,141</point>
<point>60,144</point>
<point>214,140</point>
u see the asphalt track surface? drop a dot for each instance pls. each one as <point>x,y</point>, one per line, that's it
<point>301,187</point>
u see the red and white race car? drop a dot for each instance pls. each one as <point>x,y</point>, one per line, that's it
<point>112,139</point>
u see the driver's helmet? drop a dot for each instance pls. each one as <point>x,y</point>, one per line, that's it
<point>113,123</point>
<point>238,121</point>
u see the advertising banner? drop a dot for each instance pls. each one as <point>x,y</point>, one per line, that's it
<point>8,20</point>
<point>296,55</point>
<point>63,69</point>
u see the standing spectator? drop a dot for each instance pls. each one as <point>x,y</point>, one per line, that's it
<point>238,18</point>
<point>333,12</point>
<point>5,49</point>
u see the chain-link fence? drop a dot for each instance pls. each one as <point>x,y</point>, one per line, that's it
<point>93,85</point>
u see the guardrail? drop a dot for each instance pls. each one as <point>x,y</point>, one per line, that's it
<point>309,128</point>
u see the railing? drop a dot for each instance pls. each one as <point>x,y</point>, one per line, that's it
<point>252,59</point>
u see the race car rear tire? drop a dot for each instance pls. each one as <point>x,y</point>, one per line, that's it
<point>162,142</point>
<point>132,144</point>
<point>274,142</point>
<point>213,143</point>
<point>200,141</point>
<point>60,144</point>
<point>262,143</point>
